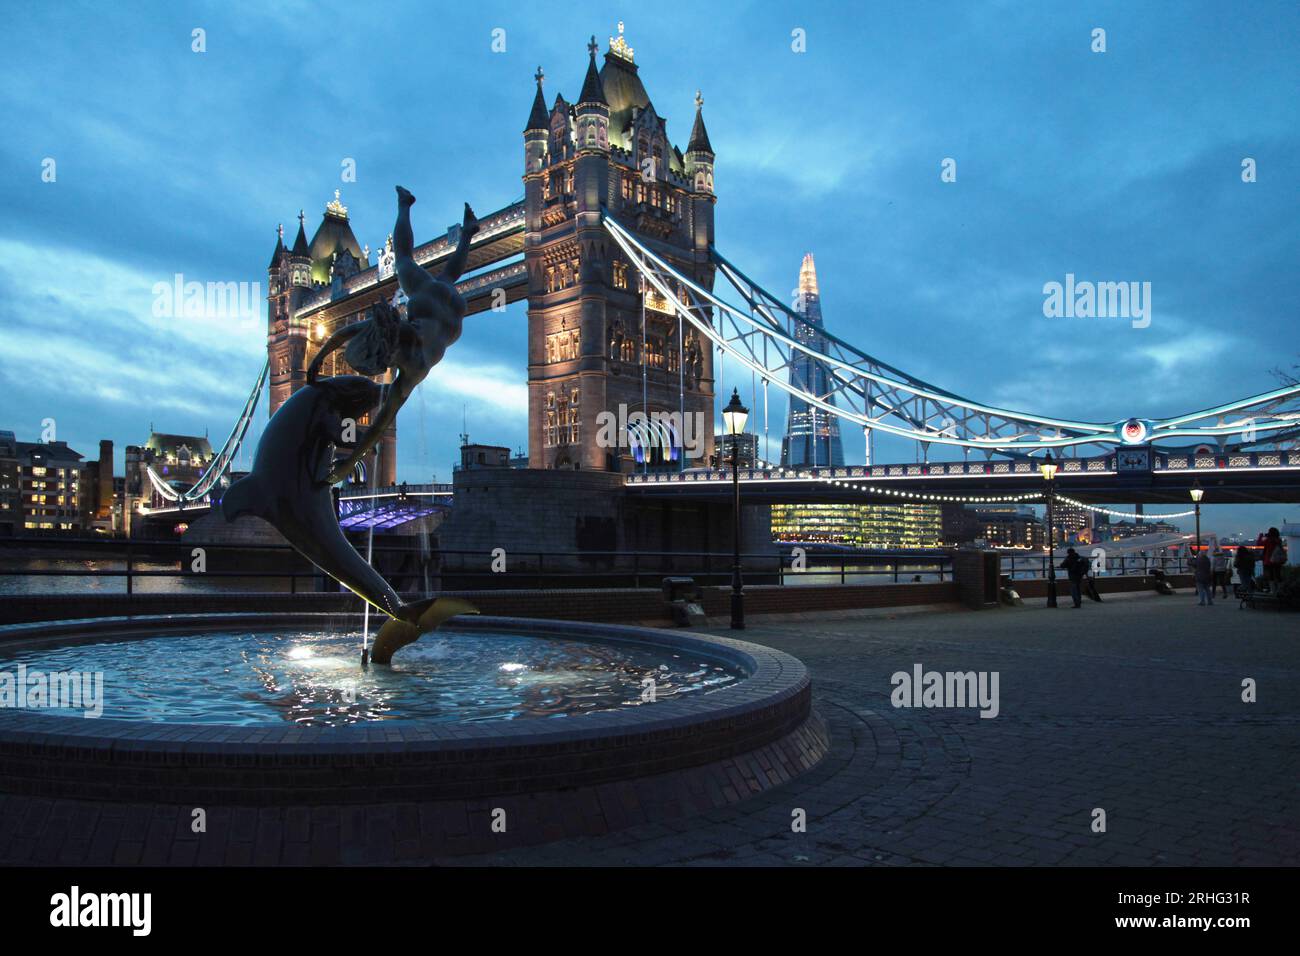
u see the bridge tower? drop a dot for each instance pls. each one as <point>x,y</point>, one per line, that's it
<point>288,282</point>
<point>297,278</point>
<point>585,307</point>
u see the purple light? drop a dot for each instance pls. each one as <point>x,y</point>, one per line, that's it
<point>385,517</point>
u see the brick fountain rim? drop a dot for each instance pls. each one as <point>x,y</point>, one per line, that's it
<point>763,728</point>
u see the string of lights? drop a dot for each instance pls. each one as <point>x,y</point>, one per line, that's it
<point>922,496</point>
<point>972,499</point>
<point>1124,514</point>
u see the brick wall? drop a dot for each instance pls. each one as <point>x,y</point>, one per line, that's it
<point>1037,588</point>
<point>968,570</point>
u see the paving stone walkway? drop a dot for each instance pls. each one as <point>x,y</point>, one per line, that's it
<point>1133,706</point>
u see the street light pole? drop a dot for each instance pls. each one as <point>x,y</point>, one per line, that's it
<point>734,416</point>
<point>1197,493</point>
<point>1048,469</point>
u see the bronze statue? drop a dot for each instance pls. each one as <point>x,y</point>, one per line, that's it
<point>435,310</point>
<point>294,467</point>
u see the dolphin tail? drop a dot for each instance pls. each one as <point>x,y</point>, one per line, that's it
<point>415,619</point>
<point>244,497</point>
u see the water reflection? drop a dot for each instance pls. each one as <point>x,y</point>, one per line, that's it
<point>313,679</point>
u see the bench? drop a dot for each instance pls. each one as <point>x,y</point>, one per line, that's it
<point>1255,598</point>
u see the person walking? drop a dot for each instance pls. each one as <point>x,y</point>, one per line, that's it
<point>1204,579</point>
<point>1075,566</point>
<point>1245,564</point>
<point>1274,558</point>
<point>1221,571</point>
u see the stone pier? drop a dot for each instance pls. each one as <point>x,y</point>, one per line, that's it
<point>527,511</point>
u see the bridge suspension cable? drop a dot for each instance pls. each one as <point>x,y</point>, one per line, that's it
<point>225,456</point>
<point>872,394</point>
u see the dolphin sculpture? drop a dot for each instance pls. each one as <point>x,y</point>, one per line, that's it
<point>289,488</point>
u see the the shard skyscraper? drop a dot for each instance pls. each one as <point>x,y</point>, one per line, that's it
<point>812,435</point>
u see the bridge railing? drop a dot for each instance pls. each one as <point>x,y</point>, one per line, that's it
<point>1161,462</point>
<point>361,493</point>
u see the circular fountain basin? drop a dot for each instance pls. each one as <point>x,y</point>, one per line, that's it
<point>311,678</point>
<point>266,710</point>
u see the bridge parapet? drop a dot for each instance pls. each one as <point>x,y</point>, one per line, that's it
<point>392,506</point>
<point>358,493</point>
<point>1168,462</point>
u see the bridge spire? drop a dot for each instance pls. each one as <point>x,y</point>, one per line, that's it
<point>699,141</point>
<point>538,117</point>
<point>300,247</point>
<point>278,256</point>
<point>593,91</point>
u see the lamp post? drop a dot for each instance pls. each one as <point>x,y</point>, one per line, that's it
<point>734,416</point>
<point>1197,493</point>
<point>1048,468</point>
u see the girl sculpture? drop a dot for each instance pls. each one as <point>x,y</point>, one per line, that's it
<point>434,313</point>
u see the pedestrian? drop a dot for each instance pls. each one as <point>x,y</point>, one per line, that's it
<point>1221,570</point>
<point>1075,567</point>
<point>1204,579</point>
<point>1245,562</point>
<point>1274,558</point>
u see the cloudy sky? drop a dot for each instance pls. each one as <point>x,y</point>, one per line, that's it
<point>1123,165</point>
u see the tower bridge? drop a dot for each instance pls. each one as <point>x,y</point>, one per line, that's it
<point>631,304</point>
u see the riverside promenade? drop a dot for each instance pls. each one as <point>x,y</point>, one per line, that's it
<point>1133,706</point>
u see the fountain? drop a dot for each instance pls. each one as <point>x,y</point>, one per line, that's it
<point>272,710</point>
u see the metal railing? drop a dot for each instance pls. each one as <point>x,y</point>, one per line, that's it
<point>1022,567</point>
<point>474,569</point>
<point>411,570</point>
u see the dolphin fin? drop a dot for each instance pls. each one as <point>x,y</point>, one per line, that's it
<point>417,618</point>
<point>244,497</point>
<point>430,613</point>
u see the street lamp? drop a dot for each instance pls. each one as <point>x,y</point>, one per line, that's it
<point>1048,468</point>
<point>734,416</point>
<point>1197,493</point>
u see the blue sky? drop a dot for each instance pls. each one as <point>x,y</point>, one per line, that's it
<point>1123,165</point>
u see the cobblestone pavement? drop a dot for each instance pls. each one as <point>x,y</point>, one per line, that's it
<point>1133,706</point>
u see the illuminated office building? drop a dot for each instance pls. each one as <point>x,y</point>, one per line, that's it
<point>905,525</point>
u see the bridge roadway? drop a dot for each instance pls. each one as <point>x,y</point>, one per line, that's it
<point>1231,478</point>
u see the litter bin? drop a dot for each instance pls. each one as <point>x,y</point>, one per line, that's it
<point>683,596</point>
